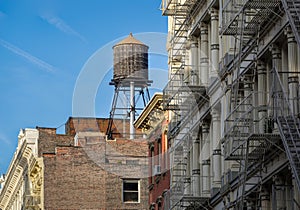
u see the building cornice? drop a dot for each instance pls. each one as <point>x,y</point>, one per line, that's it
<point>151,115</point>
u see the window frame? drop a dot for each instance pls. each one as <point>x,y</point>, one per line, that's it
<point>153,162</point>
<point>138,191</point>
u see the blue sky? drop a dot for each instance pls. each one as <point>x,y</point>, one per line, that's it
<point>46,45</point>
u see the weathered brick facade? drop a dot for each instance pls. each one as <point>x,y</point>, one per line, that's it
<point>88,173</point>
<point>158,183</point>
<point>72,181</point>
<point>120,127</point>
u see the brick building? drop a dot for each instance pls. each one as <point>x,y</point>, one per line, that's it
<point>154,123</point>
<point>76,170</point>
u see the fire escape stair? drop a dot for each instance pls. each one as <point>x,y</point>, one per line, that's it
<point>289,130</point>
<point>292,9</point>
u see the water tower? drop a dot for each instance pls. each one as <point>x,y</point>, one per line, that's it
<point>130,78</point>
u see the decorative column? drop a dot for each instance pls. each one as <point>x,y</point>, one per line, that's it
<point>194,62</point>
<point>289,193</point>
<point>187,177</point>
<point>276,57</point>
<point>262,95</point>
<point>217,167</point>
<point>199,59</point>
<point>296,194</point>
<point>187,64</point>
<point>206,160</point>
<point>277,64</point>
<point>248,88</point>
<point>265,199</point>
<point>227,99</point>
<point>204,70</point>
<point>196,168</point>
<point>279,192</point>
<point>269,86</point>
<point>250,205</point>
<point>284,65</point>
<point>293,80</point>
<point>214,14</point>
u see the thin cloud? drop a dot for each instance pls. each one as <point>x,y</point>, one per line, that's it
<point>62,26</point>
<point>32,59</point>
<point>4,139</point>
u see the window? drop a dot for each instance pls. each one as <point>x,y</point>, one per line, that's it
<point>131,192</point>
<point>165,152</point>
<point>159,152</point>
<point>152,165</point>
<point>159,206</point>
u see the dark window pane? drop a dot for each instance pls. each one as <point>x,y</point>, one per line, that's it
<point>130,196</point>
<point>131,186</point>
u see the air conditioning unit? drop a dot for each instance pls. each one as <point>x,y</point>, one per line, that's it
<point>156,170</point>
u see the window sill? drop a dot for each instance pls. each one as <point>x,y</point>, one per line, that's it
<point>130,202</point>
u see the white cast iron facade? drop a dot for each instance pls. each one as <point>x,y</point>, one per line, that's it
<point>23,184</point>
<point>233,95</point>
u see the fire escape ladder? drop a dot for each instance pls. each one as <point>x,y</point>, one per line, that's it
<point>288,125</point>
<point>177,97</point>
<point>292,9</point>
<point>243,97</point>
<point>179,176</point>
<point>177,41</point>
<point>240,118</point>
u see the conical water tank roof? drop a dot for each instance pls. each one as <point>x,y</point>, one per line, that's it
<point>130,40</point>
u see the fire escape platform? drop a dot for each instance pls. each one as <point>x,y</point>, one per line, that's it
<point>259,12</point>
<point>175,7</point>
<point>258,146</point>
<point>182,93</point>
<point>194,201</point>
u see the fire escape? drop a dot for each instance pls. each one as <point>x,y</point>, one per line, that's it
<point>182,97</point>
<point>248,135</point>
<point>286,115</point>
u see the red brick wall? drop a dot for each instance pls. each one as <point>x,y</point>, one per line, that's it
<point>80,178</point>
<point>72,181</point>
<point>161,182</point>
<point>74,125</point>
<point>48,140</point>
